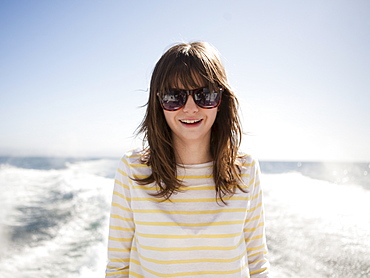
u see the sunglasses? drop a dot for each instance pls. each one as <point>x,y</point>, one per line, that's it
<point>175,99</point>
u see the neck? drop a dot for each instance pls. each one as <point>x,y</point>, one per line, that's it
<point>191,153</point>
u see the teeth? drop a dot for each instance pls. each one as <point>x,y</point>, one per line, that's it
<point>190,121</point>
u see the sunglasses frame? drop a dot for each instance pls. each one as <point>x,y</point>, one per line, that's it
<point>191,92</point>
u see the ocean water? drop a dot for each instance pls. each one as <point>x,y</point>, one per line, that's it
<point>54,217</point>
<point>318,219</point>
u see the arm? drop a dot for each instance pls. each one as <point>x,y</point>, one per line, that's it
<point>254,229</point>
<point>121,226</point>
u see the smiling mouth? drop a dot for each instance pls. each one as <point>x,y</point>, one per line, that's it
<point>190,122</point>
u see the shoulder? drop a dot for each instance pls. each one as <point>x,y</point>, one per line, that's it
<point>248,165</point>
<point>246,161</point>
<point>133,158</point>
<point>249,172</point>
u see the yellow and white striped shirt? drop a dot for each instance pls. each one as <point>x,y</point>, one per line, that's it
<point>190,235</point>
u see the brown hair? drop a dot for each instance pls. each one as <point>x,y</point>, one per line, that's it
<point>189,64</point>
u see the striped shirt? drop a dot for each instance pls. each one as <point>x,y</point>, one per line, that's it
<point>190,235</point>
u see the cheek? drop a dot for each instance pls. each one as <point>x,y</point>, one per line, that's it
<point>170,117</point>
<point>213,115</point>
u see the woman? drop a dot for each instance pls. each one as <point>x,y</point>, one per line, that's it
<point>188,204</point>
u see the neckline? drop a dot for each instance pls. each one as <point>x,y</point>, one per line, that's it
<point>196,166</point>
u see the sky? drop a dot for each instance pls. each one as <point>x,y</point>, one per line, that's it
<point>74,75</point>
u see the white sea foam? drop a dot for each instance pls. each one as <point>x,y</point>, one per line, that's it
<point>317,228</point>
<point>56,220</point>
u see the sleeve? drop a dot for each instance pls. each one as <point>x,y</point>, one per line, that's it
<point>121,224</point>
<point>254,228</point>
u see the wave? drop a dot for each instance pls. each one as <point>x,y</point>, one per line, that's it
<point>54,222</point>
<point>316,228</point>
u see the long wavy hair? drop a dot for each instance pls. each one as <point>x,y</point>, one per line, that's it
<point>188,64</point>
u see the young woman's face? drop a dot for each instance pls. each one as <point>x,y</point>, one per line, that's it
<point>191,123</point>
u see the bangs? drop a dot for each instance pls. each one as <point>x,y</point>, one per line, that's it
<point>186,72</point>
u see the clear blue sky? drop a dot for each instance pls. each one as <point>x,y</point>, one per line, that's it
<point>73,74</point>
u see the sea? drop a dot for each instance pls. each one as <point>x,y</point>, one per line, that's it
<point>54,217</point>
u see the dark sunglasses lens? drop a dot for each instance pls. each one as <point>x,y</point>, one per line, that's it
<point>207,99</point>
<point>173,100</point>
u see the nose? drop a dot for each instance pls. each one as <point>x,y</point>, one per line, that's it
<point>190,106</point>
